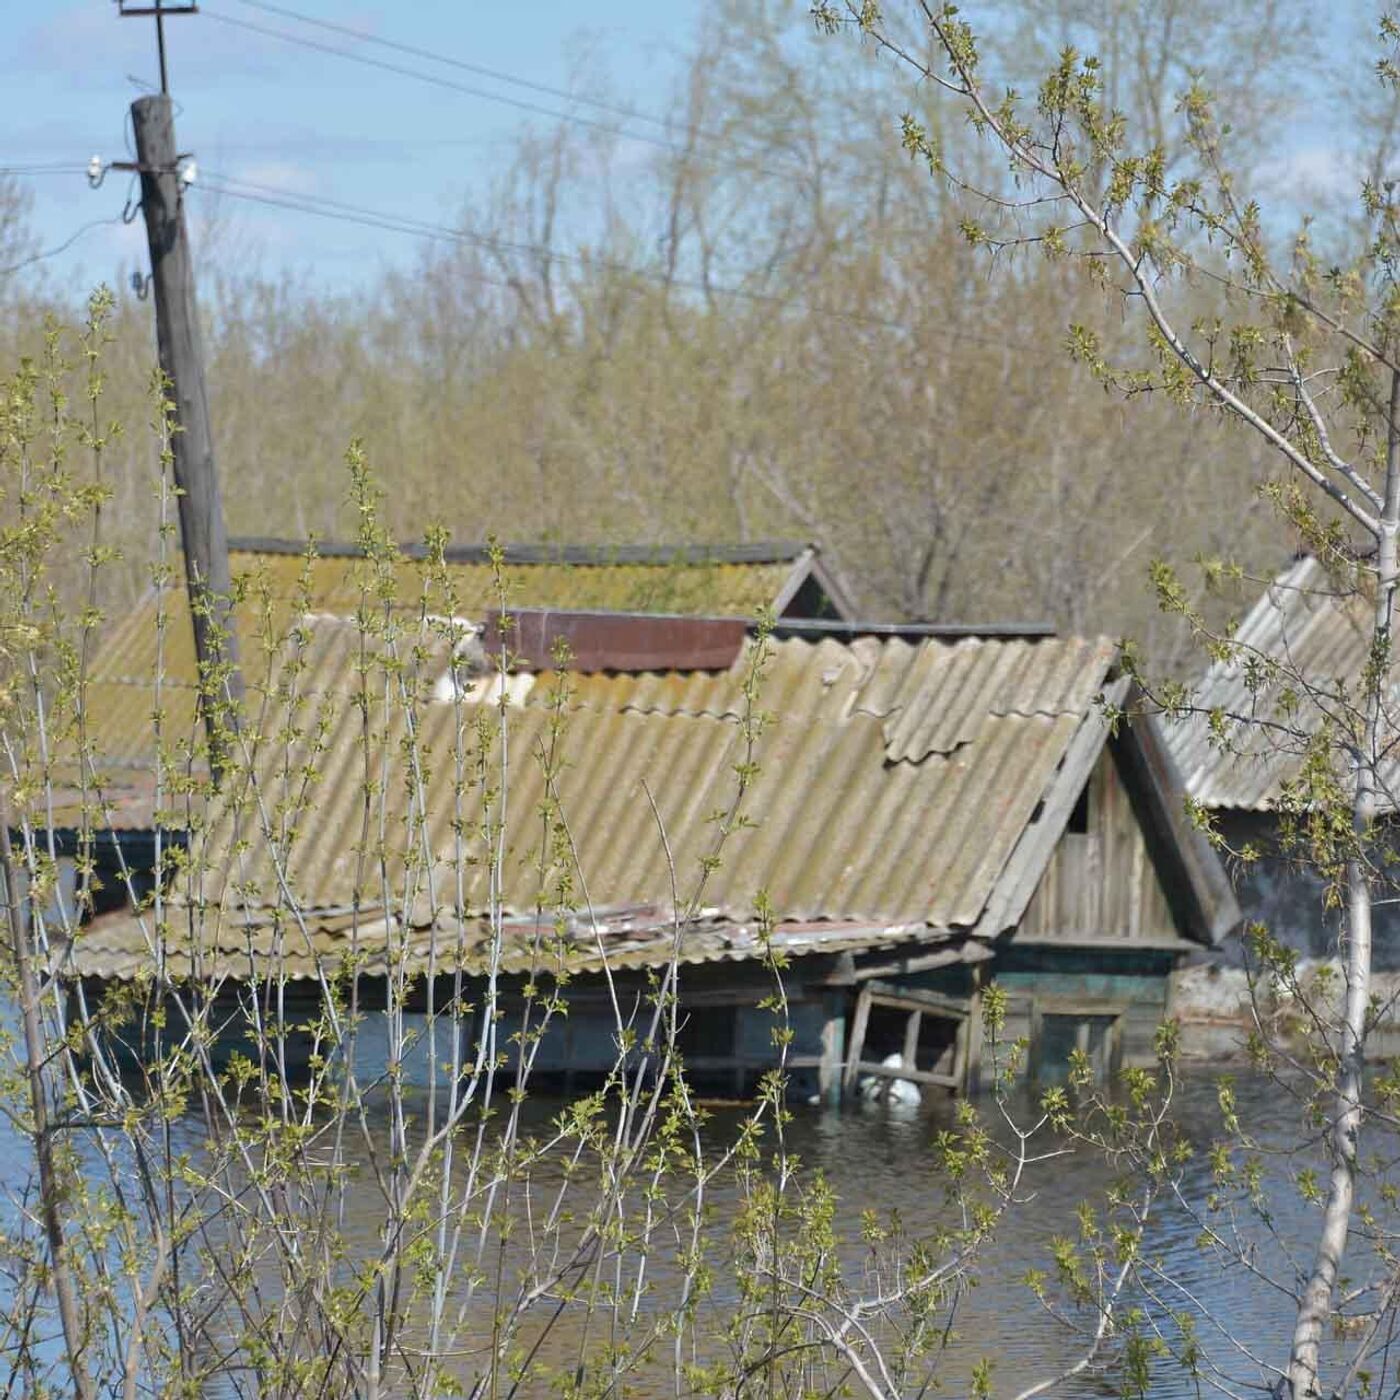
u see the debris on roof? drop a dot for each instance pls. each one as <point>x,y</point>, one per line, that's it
<point>119,947</point>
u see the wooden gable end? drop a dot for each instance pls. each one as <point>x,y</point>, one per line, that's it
<point>1102,885</point>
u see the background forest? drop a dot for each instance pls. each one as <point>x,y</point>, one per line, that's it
<point>770,324</point>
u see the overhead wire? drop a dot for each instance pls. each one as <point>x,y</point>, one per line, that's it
<point>303,204</point>
<point>378,219</point>
<point>328,208</point>
<point>335,208</point>
<point>366,36</point>
<point>611,128</point>
<point>46,168</point>
<point>232,184</point>
<point>27,169</point>
<point>442,232</point>
<point>60,248</point>
<point>519,103</point>
<point>325,207</point>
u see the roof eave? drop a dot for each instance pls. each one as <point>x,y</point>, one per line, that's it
<point>1211,910</point>
<point>757,552</point>
<point>1033,851</point>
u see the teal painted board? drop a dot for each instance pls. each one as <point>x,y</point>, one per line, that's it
<point>1148,962</point>
<point>1083,986</point>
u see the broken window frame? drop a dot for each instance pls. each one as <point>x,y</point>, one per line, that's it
<point>1082,1010</point>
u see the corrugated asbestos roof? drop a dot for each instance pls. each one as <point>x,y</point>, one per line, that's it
<point>930,696</point>
<point>893,782</point>
<point>1304,622</point>
<point>156,636</point>
<point>121,947</point>
<point>281,585</point>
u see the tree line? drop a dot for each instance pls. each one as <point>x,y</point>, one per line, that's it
<point>776,327</point>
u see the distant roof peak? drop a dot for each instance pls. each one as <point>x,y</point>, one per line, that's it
<point>660,555</point>
<point>845,630</point>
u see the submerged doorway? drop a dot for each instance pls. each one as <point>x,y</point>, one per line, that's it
<point>1059,1031</point>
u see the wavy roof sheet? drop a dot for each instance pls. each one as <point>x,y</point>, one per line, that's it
<point>122,946</point>
<point>280,584</point>
<point>893,782</point>
<point>930,696</point>
<point>1315,631</point>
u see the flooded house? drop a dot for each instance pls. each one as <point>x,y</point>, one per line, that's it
<point>881,821</point>
<point>1239,768</point>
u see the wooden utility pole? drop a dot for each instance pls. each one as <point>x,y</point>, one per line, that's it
<point>202,532</point>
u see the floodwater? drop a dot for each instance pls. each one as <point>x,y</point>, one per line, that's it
<point>882,1158</point>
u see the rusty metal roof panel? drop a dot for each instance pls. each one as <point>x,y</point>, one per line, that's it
<point>612,641</point>
<point>1303,622</point>
<point>280,584</point>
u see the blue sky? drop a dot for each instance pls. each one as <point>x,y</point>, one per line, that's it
<point>286,117</point>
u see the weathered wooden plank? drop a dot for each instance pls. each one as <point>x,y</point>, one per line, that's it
<point>858,1025</point>
<point>971,1068</point>
<point>1138,876</point>
<point>914,961</point>
<point>912,1028</point>
<point>917,999</point>
<point>1036,846</point>
<point>833,1056</point>
<point>1090,903</point>
<point>1120,838</point>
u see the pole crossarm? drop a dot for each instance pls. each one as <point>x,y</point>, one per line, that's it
<point>158,12</point>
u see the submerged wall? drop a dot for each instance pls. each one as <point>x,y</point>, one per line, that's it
<point>1214,998</point>
<point>1290,900</point>
<point>726,1045</point>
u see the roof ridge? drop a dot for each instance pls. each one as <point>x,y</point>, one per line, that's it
<point>660,555</point>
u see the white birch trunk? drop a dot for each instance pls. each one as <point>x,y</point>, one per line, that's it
<point>1315,1305</point>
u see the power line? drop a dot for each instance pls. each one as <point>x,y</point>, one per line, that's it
<point>328,208</point>
<point>322,205</point>
<point>303,204</point>
<point>61,248</point>
<point>335,148</point>
<point>519,104</point>
<point>481,70</point>
<point>47,168</point>
<point>409,224</point>
<point>325,207</point>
